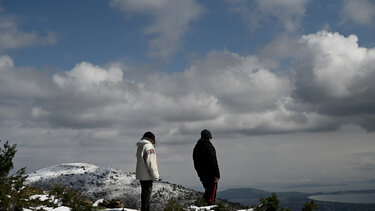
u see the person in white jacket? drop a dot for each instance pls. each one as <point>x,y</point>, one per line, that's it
<point>147,168</point>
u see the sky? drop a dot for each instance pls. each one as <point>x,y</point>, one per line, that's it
<point>285,86</point>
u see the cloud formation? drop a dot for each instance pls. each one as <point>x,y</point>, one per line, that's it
<point>288,14</point>
<point>231,93</point>
<point>170,21</point>
<point>358,11</point>
<point>333,75</point>
<point>211,90</point>
<point>11,37</point>
<point>98,109</point>
<point>340,68</point>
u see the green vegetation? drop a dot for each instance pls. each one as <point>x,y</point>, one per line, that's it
<point>309,206</point>
<point>71,198</point>
<point>173,205</point>
<point>200,202</point>
<point>14,196</point>
<point>270,204</point>
<point>12,192</point>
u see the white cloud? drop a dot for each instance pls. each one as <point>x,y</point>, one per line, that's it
<point>340,68</point>
<point>38,112</point>
<point>229,92</point>
<point>359,11</point>
<point>84,75</point>
<point>11,37</point>
<point>334,77</point>
<point>171,20</point>
<point>6,61</point>
<point>225,90</point>
<point>288,13</point>
<point>23,83</point>
<point>239,83</point>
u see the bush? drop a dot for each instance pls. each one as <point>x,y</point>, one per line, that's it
<point>309,206</point>
<point>200,202</point>
<point>71,198</point>
<point>14,196</point>
<point>270,203</point>
<point>221,207</point>
<point>12,192</point>
<point>173,205</point>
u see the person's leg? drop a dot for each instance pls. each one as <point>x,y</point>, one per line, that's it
<point>210,191</point>
<point>146,194</point>
<point>213,195</point>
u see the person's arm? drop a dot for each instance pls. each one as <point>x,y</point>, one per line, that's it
<point>215,166</point>
<point>151,161</point>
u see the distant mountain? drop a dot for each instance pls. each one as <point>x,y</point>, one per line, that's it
<point>245,196</point>
<point>291,200</point>
<point>108,183</point>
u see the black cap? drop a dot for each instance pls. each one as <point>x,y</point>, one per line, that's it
<point>206,134</point>
<point>149,136</point>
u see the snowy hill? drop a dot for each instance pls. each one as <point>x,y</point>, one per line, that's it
<point>108,183</point>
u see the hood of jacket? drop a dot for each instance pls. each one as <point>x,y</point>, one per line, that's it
<point>203,141</point>
<point>143,142</point>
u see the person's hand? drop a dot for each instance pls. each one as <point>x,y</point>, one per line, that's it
<point>216,179</point>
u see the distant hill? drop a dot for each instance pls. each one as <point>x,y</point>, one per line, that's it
<point>291,200</point>
<point>108,183</point>
<point>245,196</point>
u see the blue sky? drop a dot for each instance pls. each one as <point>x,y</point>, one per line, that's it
<point>286,86</point>
<point>99,33</point>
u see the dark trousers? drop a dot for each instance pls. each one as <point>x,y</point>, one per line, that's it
<point>210,191</point>
<point>146,186</point>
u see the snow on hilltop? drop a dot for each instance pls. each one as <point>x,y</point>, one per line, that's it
<point>63,169</point>
<point>108,183</point>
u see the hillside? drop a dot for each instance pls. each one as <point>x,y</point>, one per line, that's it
<point>108,183</point>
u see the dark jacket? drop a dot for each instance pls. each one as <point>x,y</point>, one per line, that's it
<point>205,162</point>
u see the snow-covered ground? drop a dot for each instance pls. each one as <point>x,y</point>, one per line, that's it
<point>108,183</point>
<point>52,209</point>
<point>98,183</point>
<point>44,197</point>
<point>63,208</point>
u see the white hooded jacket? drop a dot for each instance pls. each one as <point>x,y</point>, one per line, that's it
<point>147,166</point>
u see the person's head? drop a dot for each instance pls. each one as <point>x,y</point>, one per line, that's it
<point>150,137</point>
<point>206,134</point>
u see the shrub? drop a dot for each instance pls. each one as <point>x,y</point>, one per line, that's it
<point>173,205</point>
<point>12,192</point>
<point>270,203</point>
<point>71,198</point>
<point>200,202</point>
<point>221,207</point>
<point>309,206</point>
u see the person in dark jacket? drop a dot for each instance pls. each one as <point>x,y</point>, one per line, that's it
<point>205,163</point>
